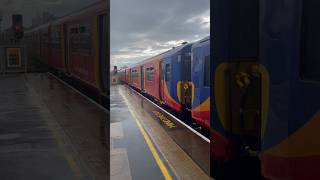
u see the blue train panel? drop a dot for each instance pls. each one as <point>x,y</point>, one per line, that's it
<point>201,82</point>
<point>176,86</point>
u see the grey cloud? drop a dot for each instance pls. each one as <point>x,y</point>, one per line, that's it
<point>151,24</point>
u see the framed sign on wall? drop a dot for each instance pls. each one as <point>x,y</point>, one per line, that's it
<point>13,57</point>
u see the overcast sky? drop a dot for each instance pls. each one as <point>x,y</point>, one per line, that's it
<point>30,8</point>
<point>144,28</point>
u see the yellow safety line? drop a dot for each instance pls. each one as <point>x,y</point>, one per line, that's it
<point>153,150</point>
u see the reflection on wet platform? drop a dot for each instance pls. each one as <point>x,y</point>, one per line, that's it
<point>128,110</point>
<point>48,131</point>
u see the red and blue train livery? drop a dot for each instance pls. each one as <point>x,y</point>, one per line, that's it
<point>169,79</point>
<point>200,77</point>
<point>266,72</point>
<point>175,66</point>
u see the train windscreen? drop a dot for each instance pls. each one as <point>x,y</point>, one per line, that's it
<point>310,41</point>
<point>186,73</point>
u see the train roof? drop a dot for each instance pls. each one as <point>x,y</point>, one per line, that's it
<point>203,42</point>
<point>172,51</point>
<point>165,54</point>
<point>100,6</point>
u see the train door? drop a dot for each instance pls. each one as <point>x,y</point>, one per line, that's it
<point>103,46</point>
<point>239,82</point>
<point>167,79</point>
<point>142,78</point>
<point>66,48</point>
<point>49,59</point>
<point>185,94</point>
<point>130,76</point>
<point>38,45</point>
<point>162,80</point>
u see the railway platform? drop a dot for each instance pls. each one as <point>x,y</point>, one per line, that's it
<point>147,142</point>
<point>49,131</point>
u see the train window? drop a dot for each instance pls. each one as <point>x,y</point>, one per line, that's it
<point>74,30</point>
<point>186,73</point>
<point>168,72</point>
<point>206,78</point>
<point>80,40</point>
<point>150,72</point>
<point>310,41</point>
<point>82,29</point>
<point>56,39</point>
<point>134,73</point>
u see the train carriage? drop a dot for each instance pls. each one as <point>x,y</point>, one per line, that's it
<point>76,45</point>
<point>271,129</point>
<point>82,35</point>
<point>176,74</point>
<point>170,80</point>
<point>200,77</point>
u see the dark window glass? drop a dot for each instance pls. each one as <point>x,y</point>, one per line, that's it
<point>82,29</point>
<point>168,72</point>
<point>206,78</point>
<point>310,41</point>
<point>80,40</point>
<point>150,72</point>
<point>134,73</point>
<point>187,67</point>
<point>56,39</point>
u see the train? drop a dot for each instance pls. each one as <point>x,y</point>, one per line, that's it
<point>178,79</point>
<point>266,74</point>
<point>76,46</point>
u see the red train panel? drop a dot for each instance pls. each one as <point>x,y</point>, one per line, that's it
<point>71,44</point>
<point>135,77</point>
<point>45,52</point>
<point>82,54</point>
<point>152,78</point>
<point>57,52</point>
<point>127,78</point>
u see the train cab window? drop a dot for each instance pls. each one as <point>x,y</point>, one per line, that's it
<point>206,78</point>
<point>168,72</point>
<point>150,72</point>
<point>186,73</point>
<point>310,41</point>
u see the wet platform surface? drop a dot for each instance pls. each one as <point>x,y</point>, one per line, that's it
<point>131,157</point>
<point>48,131</point>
